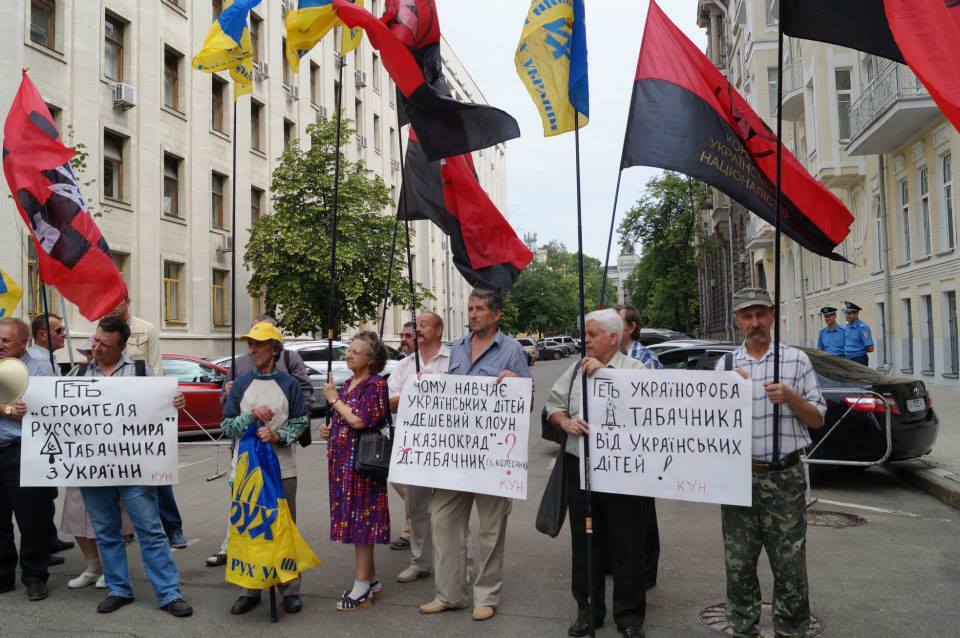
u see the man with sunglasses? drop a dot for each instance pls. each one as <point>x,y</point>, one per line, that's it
<point>43,345</point>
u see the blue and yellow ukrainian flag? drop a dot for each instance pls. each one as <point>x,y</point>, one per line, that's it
<point>551,61</point>
<point>350,38</point>
<point>309,23</point>
<point>10,294</point>
<point>229,47</point>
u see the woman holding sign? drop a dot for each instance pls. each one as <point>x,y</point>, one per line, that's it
<point>359,514</point>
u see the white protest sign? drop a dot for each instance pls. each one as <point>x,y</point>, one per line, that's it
<point>463,433</point>
<point>683,435</point>
<point>90,431</point>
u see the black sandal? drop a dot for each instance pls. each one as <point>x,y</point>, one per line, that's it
<point>216,560</point>
<point>346,603</point>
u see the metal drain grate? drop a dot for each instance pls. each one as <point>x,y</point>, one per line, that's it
<point>714,618</point>
<point>836,520</point>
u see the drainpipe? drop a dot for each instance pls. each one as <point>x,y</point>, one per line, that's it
<point>887,276</point>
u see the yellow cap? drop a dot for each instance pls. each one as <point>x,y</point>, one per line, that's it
<point>264,331</point>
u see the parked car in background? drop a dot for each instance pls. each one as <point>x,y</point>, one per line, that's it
<point>530,347</point>
<point>201,383</point>
<point>650,336</point>
<point>860,435</point>
<point>665,346</point>
<point>569,343</point>
<point>549,349</point>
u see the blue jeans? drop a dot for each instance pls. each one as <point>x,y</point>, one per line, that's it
<point>169,512</point>
<point>103,506</point>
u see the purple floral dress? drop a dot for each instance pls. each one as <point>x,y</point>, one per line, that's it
<point>359,513</point>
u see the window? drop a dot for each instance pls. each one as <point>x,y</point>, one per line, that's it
<point>772,89</point>
<point>953,364</point>
<point>113,49</point>
<point>218,90</point>
<point>761,275</point>
<point>219,295</point>
<point>843,85</point>
<point>375,72</point>
<point>173,292</point>
<point>171,186</point>
<point>907,339</point>
<point>171,79</point>
<point>256,25</point>
<point>316,82</point>
<point>112,166</point>
<point>377,142</point>
<point>289,134</point>
<point>926,355</point>
<point>925,238</point>
<point>218,184</point>
<point>358,118</point>
<point>904,222</point>
<point>390,150</point>
<point>43,21</point>
<point>391,93</point>
<point>949,231</point>
<point>34,298</point>
<point>283,63</point>
<point>878,231</point>
<point>256,204</point>
<point>256,119</point>
<point>770,19</point>
<point>217,6</point>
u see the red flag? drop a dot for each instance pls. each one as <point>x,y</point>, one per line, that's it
<point>414,22</point>
<point>71,252</point>
<point>685,116</point>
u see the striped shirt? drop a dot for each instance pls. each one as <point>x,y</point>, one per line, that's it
<point>645,355</point>
<point>797,372</point>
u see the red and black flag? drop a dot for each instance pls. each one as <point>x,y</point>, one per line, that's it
<point>486,250</point>
<point>72,254</point>
<point>445,126</point>
<point>920,33</point>
<point>685,116</point>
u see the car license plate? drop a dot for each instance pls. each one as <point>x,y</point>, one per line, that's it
<point>916,405</point>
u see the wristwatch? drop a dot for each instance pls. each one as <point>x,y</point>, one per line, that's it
<point>8,410</point>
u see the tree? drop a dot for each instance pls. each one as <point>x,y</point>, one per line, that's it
<point>289,251</point>
<point>664,284</point>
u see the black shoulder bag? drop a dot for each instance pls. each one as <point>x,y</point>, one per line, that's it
<point>553,503</point>
<point>373,449</point>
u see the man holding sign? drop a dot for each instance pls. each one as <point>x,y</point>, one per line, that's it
<point>485,352</point>
<point>776,520</point>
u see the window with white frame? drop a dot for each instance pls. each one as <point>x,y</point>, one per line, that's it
<point>926,240</point>
<point>844,93</point>
<point>904,222</point>
<point>926,353</point>
<point>948,231</point>
<point>953,335</point>
<point>907,339</point>
<point>772,89</point>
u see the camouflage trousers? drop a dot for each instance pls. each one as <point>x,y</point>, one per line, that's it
<point>775,523</point>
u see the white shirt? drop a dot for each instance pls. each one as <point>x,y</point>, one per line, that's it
<point>408,370</point>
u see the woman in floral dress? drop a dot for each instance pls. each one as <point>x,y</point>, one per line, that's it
<point>359,514</point>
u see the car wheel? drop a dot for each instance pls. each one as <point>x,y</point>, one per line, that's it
<point>556,355</point>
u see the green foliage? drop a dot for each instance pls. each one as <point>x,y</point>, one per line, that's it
<point>79,165</point>
<point>546,298</point>
<point>664,285</point>
<point>289,251</point>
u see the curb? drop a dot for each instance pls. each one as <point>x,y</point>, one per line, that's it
<point>936,481</point>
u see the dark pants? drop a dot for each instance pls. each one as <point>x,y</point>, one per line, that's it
<point>651,542</point>
<point>32,507</point>
<point>169,513</point>
<point>618,540</point>
<point>862,360</point>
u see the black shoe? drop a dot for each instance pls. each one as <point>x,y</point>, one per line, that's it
<point>61,546</point>
<point>243,604</point>
<point>179,608</point>
<point>631,631</point>
<point>579,628</point>
<point>56,560</point>
<point>37,591</point>
<point>111,604</point>
<point>400,544</point>
<point>292,604</point>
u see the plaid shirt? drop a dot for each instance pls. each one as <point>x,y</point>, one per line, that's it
<point>645,355</point>
<point>797,372</point>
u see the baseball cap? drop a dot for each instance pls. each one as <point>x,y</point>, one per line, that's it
<point>747,297</point>
<point>264,331</point>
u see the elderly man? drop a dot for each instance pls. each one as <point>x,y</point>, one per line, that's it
<point>33,506</point>
<point>775,521</point>
<point>485,352</point>
<point>831,336</point>
<point>618,538</point>
<point>43,345</point>
<point>103,503</point>
<point>434,359</point>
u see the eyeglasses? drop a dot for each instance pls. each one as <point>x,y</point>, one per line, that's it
<point>60,330</point>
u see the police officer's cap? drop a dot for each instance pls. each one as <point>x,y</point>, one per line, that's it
<point>828,310</point>
<point>849,306</point>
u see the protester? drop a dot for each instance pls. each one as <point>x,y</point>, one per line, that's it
<point>434,359</point>
<point>857,337</point>
<point>407,346</point>
<point>359,514</point>
<point>75,521</point>
<point>832,336</point>
<point>407,337</point>
<point>775,521</point>
<point>619,520</point>
<point>485,352</point>
<point>144,345</point>
<point>32,506</point>
<point>274,400</point>
<point>632,323</point>
<point>103,503</point>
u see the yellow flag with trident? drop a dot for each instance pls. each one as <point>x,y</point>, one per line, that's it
<point>10,294</point>
<point>229,46</point>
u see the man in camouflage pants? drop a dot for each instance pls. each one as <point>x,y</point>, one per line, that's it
<point>775,521</point>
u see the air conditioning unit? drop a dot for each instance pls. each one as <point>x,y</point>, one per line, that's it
<point>261,70</point>
<point>124,96</point>
<point>322,112</point>
<point>285,6</point>
<point>338,60</point>
<point>362,141</point>
<point>395,165</point>
<point>293,93</point>
<point>223,245</point>
<point>361,78</point>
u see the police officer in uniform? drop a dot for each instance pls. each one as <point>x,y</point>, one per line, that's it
<point>832,336</point>
<point>857,339</point>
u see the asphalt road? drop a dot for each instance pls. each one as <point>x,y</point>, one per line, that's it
<point>895,574</point>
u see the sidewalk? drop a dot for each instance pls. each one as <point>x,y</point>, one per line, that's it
<point>938,473</point>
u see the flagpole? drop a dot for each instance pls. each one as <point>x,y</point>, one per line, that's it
<point>46,320</point>
<point>606,262</point>
<point>233,251</point>
<point>776,236</point>
<point>386,290</point>
<point>332,288</point>
<point>588,496</point>
<point>66,329</point>
<point>406,224</point>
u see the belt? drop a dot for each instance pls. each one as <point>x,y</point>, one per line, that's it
<point>784,463</point>
<point>9,444</point>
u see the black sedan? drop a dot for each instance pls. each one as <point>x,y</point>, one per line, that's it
<point>850,390</point>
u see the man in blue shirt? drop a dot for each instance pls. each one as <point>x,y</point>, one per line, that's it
<point>485,352</point>
<point>857,340</point>
<point>631,345</point>
<point>832,336</point>
<point>33,506</point>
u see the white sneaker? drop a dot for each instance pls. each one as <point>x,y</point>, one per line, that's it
<point>84,580</point>
<point>101,582</point>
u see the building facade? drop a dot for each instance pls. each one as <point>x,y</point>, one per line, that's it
<point>870,132</point>
<point>117,77</point>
